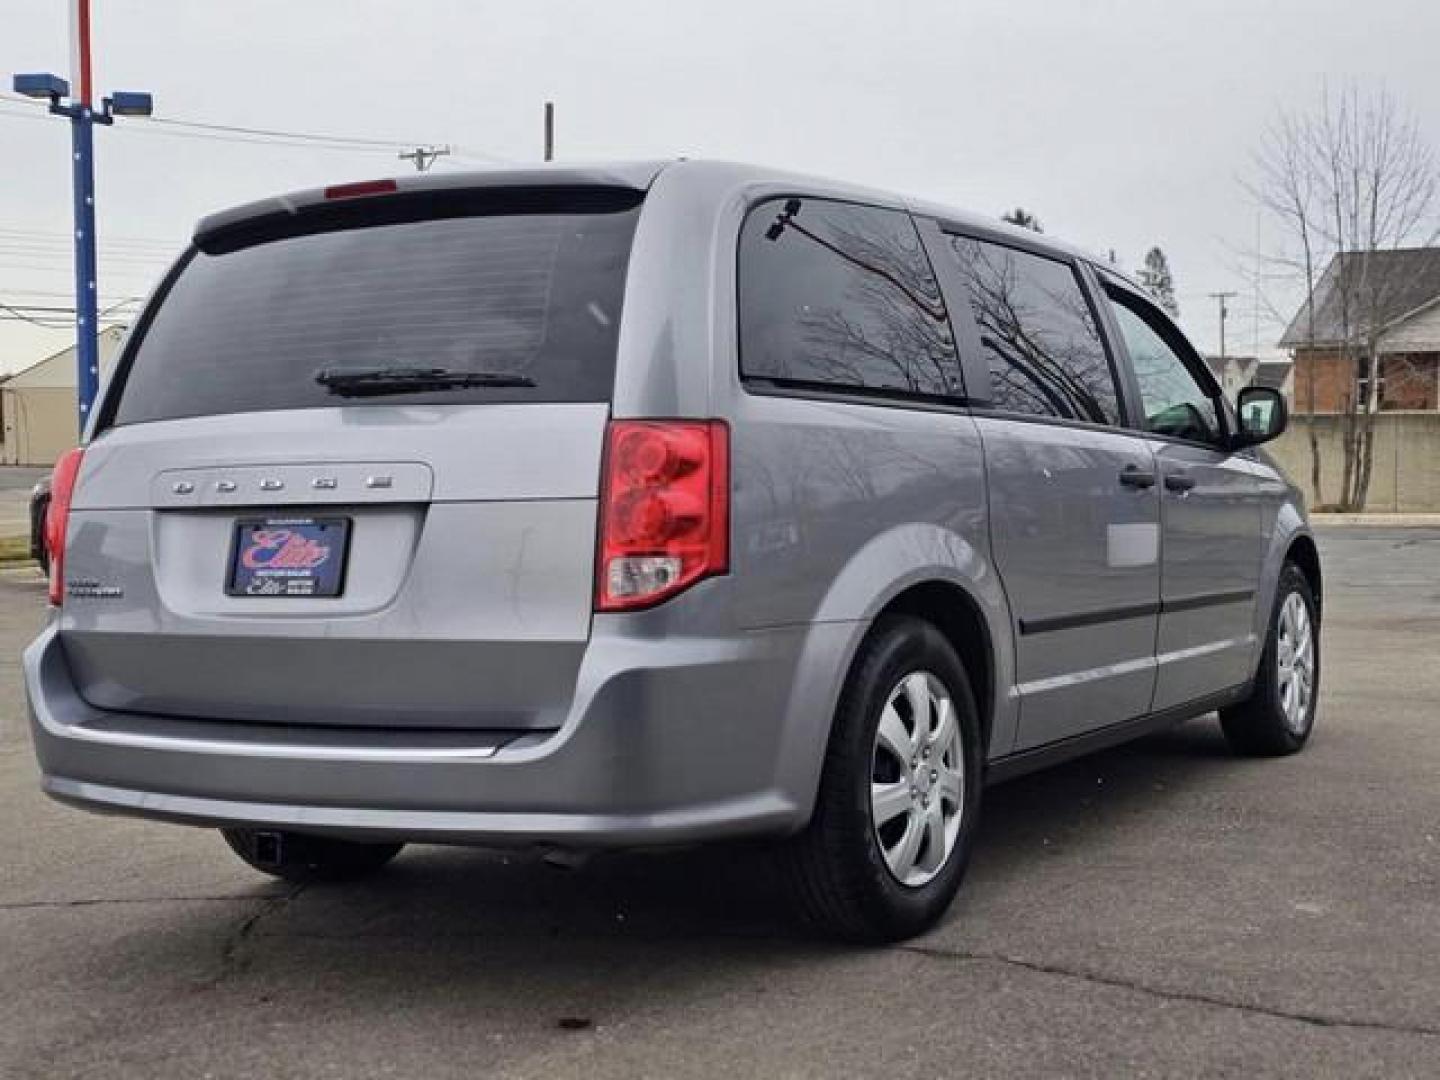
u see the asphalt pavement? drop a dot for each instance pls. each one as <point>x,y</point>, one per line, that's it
<point>1163,909</point>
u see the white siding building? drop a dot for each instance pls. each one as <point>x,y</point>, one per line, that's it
<point>38,406</point>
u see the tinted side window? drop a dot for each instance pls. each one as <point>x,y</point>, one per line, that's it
<point>842,295</point>
<point>1041,342</point>
<point>1173,401</point>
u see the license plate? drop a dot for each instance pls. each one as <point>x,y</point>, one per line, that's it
<point>289,557</point>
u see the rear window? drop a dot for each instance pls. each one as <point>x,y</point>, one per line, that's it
<point>523,284</point>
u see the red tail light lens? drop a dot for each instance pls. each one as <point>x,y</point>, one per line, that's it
<point>360,189</point>
<point>664,510</point>
<point>57,518</point>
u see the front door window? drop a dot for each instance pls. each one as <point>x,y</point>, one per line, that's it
<point>1172,400</point>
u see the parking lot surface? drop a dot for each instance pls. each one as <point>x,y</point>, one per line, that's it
<point>1163,909</point>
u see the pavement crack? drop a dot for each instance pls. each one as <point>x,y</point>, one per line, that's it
<point>103,901</point>
<point>1189,996</point>
<point>232,953</point>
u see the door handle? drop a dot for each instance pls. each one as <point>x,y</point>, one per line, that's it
<point>1136,477</point>
<point>1181,482</point>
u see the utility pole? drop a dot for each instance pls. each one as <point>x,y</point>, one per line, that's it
<point>423,156</point>
<point>83,117</point>
<point>1224,314</point>
<point>549,131</point>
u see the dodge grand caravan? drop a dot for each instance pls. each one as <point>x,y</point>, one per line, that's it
<point>649,504</point>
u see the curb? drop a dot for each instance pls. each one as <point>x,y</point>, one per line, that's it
<point>1393,521</point>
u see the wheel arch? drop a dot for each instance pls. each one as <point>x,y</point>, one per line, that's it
<point>956,614</point>
<point>947,578</point>
<point>1290,541</point>
<point>1304,554</point>
<point>920,569</point>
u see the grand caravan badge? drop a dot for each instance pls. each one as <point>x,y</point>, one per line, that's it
<point>89,589</point>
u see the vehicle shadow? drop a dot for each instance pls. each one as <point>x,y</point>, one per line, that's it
<point>1090,801</point>
<point>508,934</point>
<point>736,891</point>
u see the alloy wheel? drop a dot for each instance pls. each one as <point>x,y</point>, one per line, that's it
<point>1295,663</point>
<point>917,779</point>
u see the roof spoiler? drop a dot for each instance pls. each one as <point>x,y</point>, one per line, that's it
<point>281,208</point>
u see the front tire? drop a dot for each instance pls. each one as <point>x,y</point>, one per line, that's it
<point>1279,715</point>
<point>895,818</point>
<point>303,859</point>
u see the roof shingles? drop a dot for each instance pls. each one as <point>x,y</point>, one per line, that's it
<point>1388,284</point>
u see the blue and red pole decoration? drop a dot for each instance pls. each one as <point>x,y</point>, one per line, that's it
<point>83,117</point>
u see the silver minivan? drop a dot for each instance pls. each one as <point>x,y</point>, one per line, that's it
<point>587,508</point>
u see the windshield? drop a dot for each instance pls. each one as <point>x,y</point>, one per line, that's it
<point>524,288</point>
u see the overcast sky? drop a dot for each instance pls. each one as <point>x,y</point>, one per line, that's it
<point>1119,124</point>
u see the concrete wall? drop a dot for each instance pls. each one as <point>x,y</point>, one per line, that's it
<point>1405,475</point>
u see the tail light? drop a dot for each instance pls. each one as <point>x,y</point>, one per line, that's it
<point>664,510</point>
<point>57,518</point>
<point>361,189</point>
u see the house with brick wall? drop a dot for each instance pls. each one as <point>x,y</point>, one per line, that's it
<point>1390,297</point>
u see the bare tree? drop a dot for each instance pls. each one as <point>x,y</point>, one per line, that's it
<point>1349,182</point>
<point>1287,189</point>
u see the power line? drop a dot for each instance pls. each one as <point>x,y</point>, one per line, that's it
<point>57,253</point>
<point>47,318</point>
<point>181,133</point>
<point>127,255</point>
<point>56,309</point>
<point>56,294</point>
<point>234,129</point>
<point>386,144</point>
<point>67,238</point>
<point>58,316</point>
<point>143,272</point>
<point>179,126</point>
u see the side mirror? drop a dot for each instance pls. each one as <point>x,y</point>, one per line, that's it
<point>1262,414</point>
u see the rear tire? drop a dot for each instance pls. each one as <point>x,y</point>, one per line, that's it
<point>865,883</point>
<point>306,859</point>
<point>1279,715</point>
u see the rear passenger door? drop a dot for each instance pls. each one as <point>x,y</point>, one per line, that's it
<point>1073,501</point>
<point>1211,510</point>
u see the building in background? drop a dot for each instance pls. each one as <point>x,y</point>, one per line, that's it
<point>1234,373</point>
<point>1405,286</point>
<point>1276,375</point>
<point>39,405</point>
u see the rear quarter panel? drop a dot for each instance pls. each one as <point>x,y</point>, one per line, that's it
<point>838,506</point>
<point>1285,521</point>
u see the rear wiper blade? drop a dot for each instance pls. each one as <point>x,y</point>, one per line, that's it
<point>373,382</point>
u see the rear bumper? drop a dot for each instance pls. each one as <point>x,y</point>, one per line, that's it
<point>669,740</point>
<point>754,816</point>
